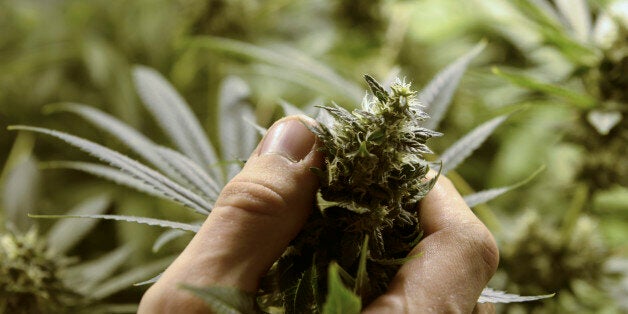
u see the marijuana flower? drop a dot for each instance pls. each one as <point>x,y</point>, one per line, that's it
<point>366,219</point>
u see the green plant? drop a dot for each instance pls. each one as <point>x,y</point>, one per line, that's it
<point>194,175</point>
<point>594,54</point>
<point>37,272</point>
<point>374,175</point>
<point>576,52</point>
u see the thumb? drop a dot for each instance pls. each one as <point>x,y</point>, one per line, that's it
<point>261,209</point>
<point>255,217</point>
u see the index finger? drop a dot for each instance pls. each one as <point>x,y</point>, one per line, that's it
<point>458,257</point>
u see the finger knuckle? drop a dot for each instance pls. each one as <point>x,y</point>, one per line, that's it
<point>484,246</point>
<point>252,196</point>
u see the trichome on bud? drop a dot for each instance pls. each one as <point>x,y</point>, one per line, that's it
<point>366,218</point>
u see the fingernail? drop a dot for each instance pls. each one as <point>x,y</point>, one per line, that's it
<point>290,139</point>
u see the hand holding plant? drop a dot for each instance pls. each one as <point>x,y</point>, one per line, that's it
<point>263,208</point>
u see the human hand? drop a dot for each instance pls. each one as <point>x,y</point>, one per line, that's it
<point>263,208</point>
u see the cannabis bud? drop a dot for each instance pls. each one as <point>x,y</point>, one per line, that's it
<point>374,156</point>
<point>30,278</point>
<point>374,175</point>
<point>542,258</point>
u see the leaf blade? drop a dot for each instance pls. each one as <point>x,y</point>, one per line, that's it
<point>131,167</point>
<point>166,237</point>
<point>461,149</point>
<point>285,58</point>
<point>64,235</point>
<point>490,194</point>
<point>437,95</point>
<point>110,174</point>
<point>174,115</point>
<point>237,138</point>
<point>128,278</point>
<point>340,299</point>
<point>579,100</point>
<point>140,220</point>
<point>88,275</point>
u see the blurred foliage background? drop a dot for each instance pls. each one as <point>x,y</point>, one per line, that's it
<point>561,65</point>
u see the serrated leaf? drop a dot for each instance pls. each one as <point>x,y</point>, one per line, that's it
<point>436,96</point>
<point>65,234</point>
<point>376,88</point>
<point>578,15</point>
<point>140,220</point>
<point>111,174</point>
<point>225,300</point>
<point>577,99</point>
<point>131,167</point>
<point>325,118</point>
<point>144,147</point>
<point>166,237</point>
<point>340,299</point>
<point>301,68</point>
<point>191,174</point>
<point>87,275</point>
<point>464,147</point>
<point>494,296</point>
<point>127,279</point>
<point>131,138</point>
<point>175,117</point>
<point>237,139</point>
<point>490,194</point>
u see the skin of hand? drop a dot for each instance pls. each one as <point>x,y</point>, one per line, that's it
<point>263,208</point>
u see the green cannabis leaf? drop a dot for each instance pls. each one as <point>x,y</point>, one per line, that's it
<point>340,300</point>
